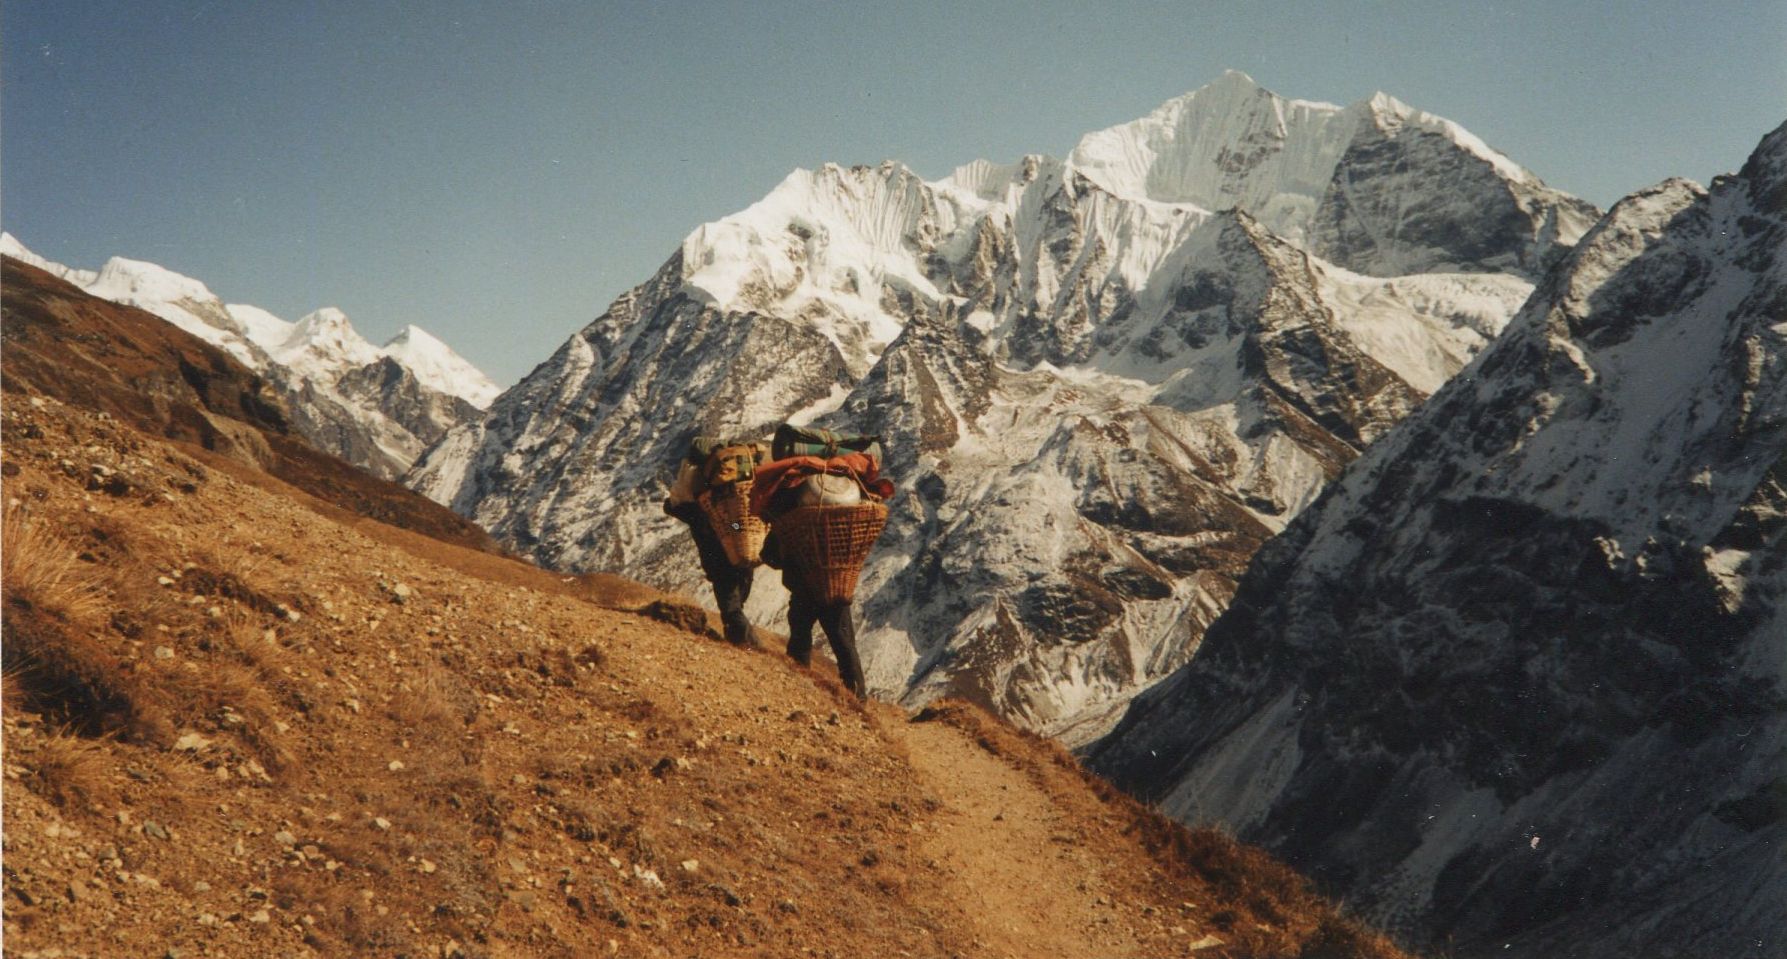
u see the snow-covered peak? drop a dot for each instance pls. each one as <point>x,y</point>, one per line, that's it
<point>436,365</point>
<point>10,246</point>
<point>261,327</point>
<point>139,282</point>
<point>996,182</point>
<point>325,342</point>
<point>1234,143</point>
<point>1230,143</point>
<point>824,243</point>
<point>1392,114</point>
<point>179,299</point>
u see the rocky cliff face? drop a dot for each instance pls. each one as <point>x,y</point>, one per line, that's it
<point>1514,684</point>
<point>1103,385</point>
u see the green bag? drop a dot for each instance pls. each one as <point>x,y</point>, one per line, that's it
<point>825,444</point>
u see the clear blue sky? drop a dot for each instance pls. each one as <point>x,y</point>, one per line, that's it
<point>497,172</point>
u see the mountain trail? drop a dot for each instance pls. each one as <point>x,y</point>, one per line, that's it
<point>1009,852</point>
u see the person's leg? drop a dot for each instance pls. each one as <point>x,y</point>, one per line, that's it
<point>730,592</point>
<point>732,586</point>
<point>842,632</point>
<point>801,616</point>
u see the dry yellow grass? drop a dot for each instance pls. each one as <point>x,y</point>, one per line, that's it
<point>55,610</point>
<point>71,772</point>
<point>40,569</point>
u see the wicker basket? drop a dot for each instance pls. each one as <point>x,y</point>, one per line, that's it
<point>825,546</point>
<point>728,509</point>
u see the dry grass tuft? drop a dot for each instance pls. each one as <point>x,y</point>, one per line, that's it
<point>13,691</point>
<point>346,923</point>
<point>56,651</point>
<point>231,575</point>
<point>38,569</point>
<point>71,772</point>
<point>235,698</point>
<point>67,672</point>
<point>433,708</point>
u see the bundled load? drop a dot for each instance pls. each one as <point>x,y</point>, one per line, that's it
<point>824,444</point>
<point>718,477</point>
<point>824,497</point>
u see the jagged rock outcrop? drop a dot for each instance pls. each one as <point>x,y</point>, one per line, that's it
<point>1513,686</point>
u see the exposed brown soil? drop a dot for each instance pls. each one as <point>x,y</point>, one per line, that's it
<point>241,720</point>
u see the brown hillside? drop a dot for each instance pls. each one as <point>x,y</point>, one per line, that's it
<point>135,366</point>
<point>241,721</point>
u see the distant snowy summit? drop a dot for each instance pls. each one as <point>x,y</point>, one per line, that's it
<point>1235,144</point>
<point>376,406</point>
<point>1104,380</point>
<point>436,365</point>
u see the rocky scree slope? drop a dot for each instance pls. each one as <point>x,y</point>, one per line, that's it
<point>376,407</point>
<point>1514,684</point>
<point>216,744</point>
<point>1104,381</point>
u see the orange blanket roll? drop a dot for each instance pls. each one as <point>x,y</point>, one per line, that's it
<point>778,475</point>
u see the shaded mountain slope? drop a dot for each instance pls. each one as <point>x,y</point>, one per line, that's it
<point>1514,684</point>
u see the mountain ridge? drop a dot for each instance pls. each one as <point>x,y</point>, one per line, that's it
<point>1088,336</point>
<point>342,391</point>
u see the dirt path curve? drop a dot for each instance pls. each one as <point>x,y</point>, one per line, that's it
<point>1010,853</point>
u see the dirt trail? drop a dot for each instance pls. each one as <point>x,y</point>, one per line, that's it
<point>1008,852</point>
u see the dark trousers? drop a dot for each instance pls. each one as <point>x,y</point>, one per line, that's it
<point>732,585</point>
<point>835,618</point>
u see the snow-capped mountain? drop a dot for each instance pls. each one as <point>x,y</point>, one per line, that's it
<point>1378,187</point>
<point>376,407</point>
<point>1516,684</point>
<point>1103,388</point>
<point>437,367</point>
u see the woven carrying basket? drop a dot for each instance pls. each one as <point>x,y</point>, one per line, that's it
<point>825,546</point>
<point>741,534</point>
